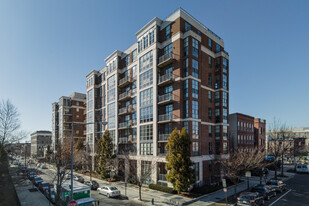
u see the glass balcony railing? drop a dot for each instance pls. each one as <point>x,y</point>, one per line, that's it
<point>166,78</point>
<point>166,117</point>
<point>163,137</point>
<point>124,80</point>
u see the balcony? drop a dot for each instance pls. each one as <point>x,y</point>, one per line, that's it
<point>123,140</point>
<point>165,79</point>
<point>166,98</point>
<point>125,95</point>
<point>67,120</point>
<point>163,137</point>
<point>165,59</point>
<point>163,118</point>
<point>124,81</point>
<point>124,110</point>
<point>67,112</point>
<point>67,128</point>
<point>125,125</point>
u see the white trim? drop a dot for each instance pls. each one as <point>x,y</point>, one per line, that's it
<point>188,77</point>
<point>207,51</point>
<point>214,90</point>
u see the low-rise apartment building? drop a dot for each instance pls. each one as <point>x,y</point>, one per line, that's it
<point>39,142</point>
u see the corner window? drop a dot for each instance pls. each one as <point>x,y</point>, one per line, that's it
<point>187,26</point>
<point>218,48</point>
<point>134,55</point>
<point>195,109</point>
<point>195,89</point>
<point>194,68</point>
<point>168,32</point>
<point>186,46</point>
<point>185,88</point>
<point>210,44</point>
<point>195,45</point>
<point>225,65</point>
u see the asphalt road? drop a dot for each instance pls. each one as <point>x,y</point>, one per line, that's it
<point>49,175</point>
<point>297,193</point>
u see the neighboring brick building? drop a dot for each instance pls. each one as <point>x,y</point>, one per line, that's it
<point>175,75</point>
<point>39,142</point>
<point>241,133</point>
<point>259,133</point>
<point>68,110</point>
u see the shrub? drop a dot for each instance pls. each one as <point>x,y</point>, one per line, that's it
<point>162,188</point>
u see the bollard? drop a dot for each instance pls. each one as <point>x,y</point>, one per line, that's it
<point>152,201</point>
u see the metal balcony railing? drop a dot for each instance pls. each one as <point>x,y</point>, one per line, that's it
<point>124,110</point>
<point>163,137</point>
<point>125,124</point>
<point>166,97</point>
<point>124,80</point>
<point>124,95</point>
<point>165,117</point>
<point>165,78</point>
<point>165,58</point>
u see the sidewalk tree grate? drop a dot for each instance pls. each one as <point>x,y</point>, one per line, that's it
<point>33,190</point>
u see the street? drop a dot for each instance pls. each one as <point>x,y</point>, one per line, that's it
<point>49,175</point>
<point>297,193</point>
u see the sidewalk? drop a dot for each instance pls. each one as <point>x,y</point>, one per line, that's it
<point>24,189</point>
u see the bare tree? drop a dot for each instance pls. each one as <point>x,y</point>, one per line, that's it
<point>9,124</point>
<point>239,161</point>
<point>280,142</point>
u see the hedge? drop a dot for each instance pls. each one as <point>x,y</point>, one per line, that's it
<point>162,188</point>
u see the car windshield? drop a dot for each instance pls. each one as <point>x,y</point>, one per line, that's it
<point>45,184</point>
<point>38,178</point>
<point>113,188</point>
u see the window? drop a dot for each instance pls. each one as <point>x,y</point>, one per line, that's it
<point>111,109</point>
<point>217,82</point>
<point>210,44</point>
<point>195,89</point>
<point>194,68</point>
<point>224,65</point>
<point>134,55</point>
<point>195,130</point>
<point>186,126</point>
<point>168,49</point>
<point>146,148</point>
<point>186,109</point>
<point>218,48</point>
<point>186,67</point>
<point>209,96</point>
<point>187,26</point>
<point>146,132</point>
<point>195,149</point>
<point>151,37</point>
<point>209,131</point>
<point>195,47</point>
<point>145,39</point>
<point>210,148</point>
<point>224,99</point>
<point>185,88</point>
<point>146,114</point>
<point>224,82</point>
<point>209,113</point>
<point>168,89</point>
<point>127,60</point>
<point>196,167</point>
<point>217,132</point>
<point>140,45</point>
<point>195,109</point>
<point>146,62</point>
<point>225,116</point>
<point>145,79</point>
<point>134,117</point>
<point>217,63</point>
<point>146,97</point>
<point>210,79</point>
<point>225,148</point>
<point>186,46</point>
<point>217,114</point>
<point>209,61</point>
<point>217,98</point>
<point>168,32</point>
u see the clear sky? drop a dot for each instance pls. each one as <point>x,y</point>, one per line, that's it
<point>48,47</point>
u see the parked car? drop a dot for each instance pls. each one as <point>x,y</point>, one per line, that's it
<point>265,191</point>
<point>257,172</point>
<point>79,179</point>
<point>43,186</point>
<point>109,191</point>
<point>68,176</point>
<point>302,168</point>
<point>23,169</point>
<point>92,184</point>
<point>15,162</point>
<point>37,180</point>
<point>50,194</point>
<point>250,198</point>
<point>278,185</point>
<point>31,175</point>
<point>43,166</point>
<point>38,165</point>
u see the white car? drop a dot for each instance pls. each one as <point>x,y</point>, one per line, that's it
<point>109,191</point>
<point>302,168</point>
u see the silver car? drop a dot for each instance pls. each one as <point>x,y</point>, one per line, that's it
<point>109,191</point>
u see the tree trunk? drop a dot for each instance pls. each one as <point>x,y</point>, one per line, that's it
<point>235,190</point>
<point>282,165</point>
<point>275,166</point>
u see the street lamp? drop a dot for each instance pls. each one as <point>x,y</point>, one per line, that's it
<point>78,124</point>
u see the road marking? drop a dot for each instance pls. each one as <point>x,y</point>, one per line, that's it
<point>280,197</point>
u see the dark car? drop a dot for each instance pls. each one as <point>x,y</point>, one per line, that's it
<point>92,184</point>
<point>258,172</point>
<point>31,175</point>
<point>79,178</point>
<point>250,198</point>
<point>264,190</point>
<point>37,180</point>
<point>278,185</point>
<point>43,186</point>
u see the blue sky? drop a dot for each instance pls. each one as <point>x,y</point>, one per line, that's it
<point>48,47</point>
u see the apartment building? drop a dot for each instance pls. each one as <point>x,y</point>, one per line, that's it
<point>260,133</point>
<point>175,75</point>
<point>68,110</point>
<point>39,142</point>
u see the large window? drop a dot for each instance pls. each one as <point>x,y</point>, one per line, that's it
<point>209,61</point>
<point>224,82</point>
<point>146,132</point>
<point>146,62</point>
<point>217,115</point>
<point>90,100</point>
<point>210,44</point>
<point>187,26</point>
<point>195,130</point>
<point>210,148</point>
<point>218,132</point>
<point>224,65</point>
<point>209,131</point>
<point>168,89</point>
<point>217,98</point>
<point>195,47</point>
<point>186,46</point>
<point>151,37</point>
<point>134,55</point>
<point>145,79</point>
<point>185,88</point>
<point>145,39</point>
<point>186,67</point>
<point>224,132</point>
<point>168,32</point>
<point>195,151</point>
<point>210,79</point>
<point>168,49</point>
<point>218,48</point>
<point>209,96</point>
<point>195,89</point>
<point>217,82</point>
<point>111,109</point>
<point>224,99</point>
<point>111,92</point>
<point>194,68</point>
<point>225,116</point>
<point>146,114</point>
<point>146,97</point>
<point>209,113</point>
<point>127,60</point>
<point>186,126</point>
<point>196,167</point>
<point>195,109</point>
<point>186,109</point>
<point>146,148</point>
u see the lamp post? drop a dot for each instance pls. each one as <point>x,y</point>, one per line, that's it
<point>78,124</point>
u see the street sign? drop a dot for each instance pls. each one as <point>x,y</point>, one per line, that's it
<point>224,189</point>
<point>248,174</point>
<point>224,182</point>
<point>72,203</point>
